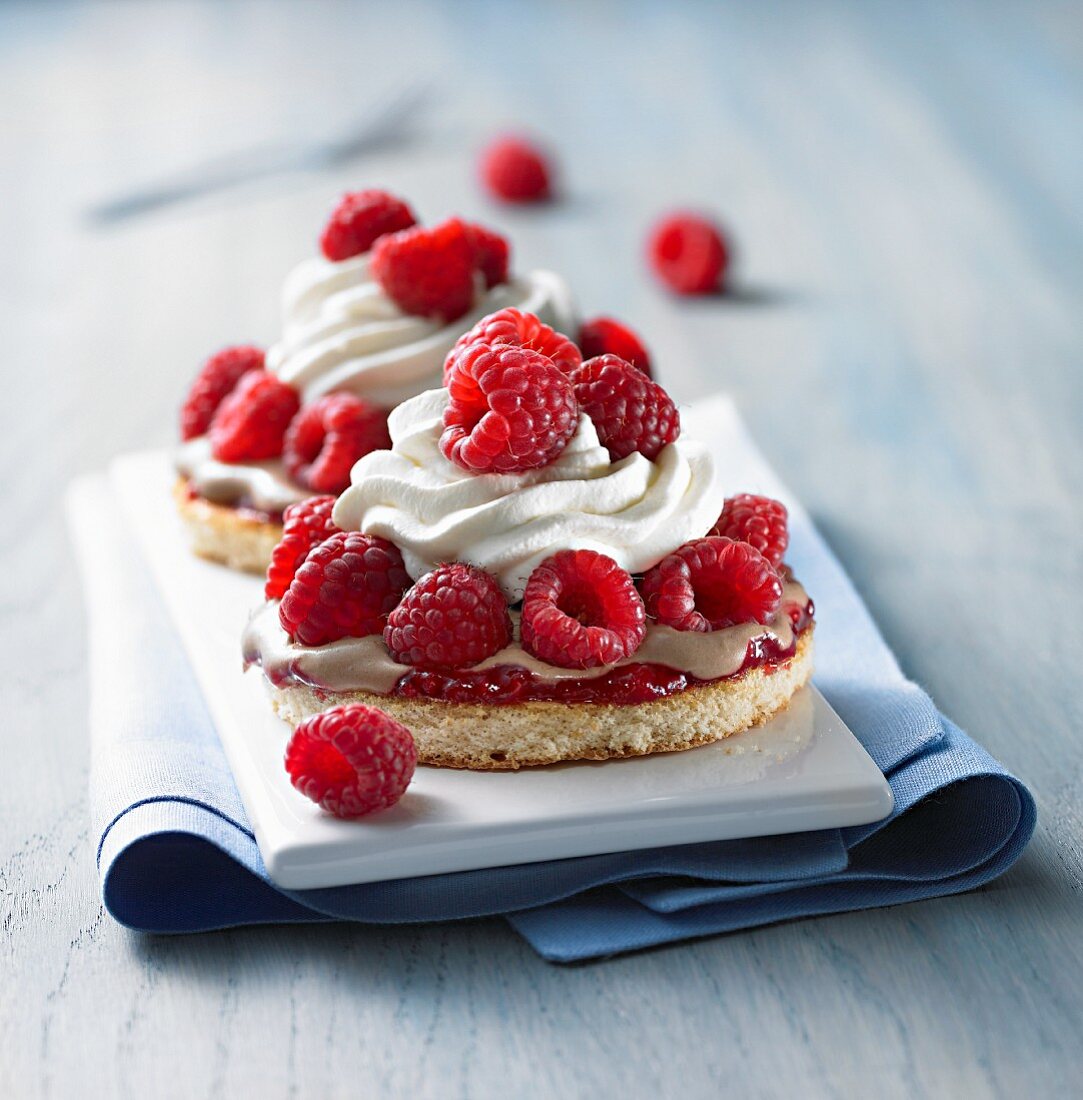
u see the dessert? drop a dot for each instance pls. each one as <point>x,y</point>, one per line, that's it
<point>367,324</point>
<point>540,568</point>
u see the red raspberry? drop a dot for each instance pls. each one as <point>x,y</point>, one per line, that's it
<point>491,252</point>
<point>360,219</point>
<point>688,253</point>
<point>524,330</point>
<point>510,409</point>
<point>581,610</point>
<point>515,170</point>
<point>712,583</point>
<point>427,272</point>
<point>453,617</point>
<point>759,521</point>
<point>604,336</point>
<point>251,422</point>
<point>345,588</point>
<point>304,525</point>
<point>216,378</point>
<point>327,437</point>
<point>630,412</point>
<point>351,760</point>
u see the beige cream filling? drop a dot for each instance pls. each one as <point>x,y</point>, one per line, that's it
<point>262,485</point>
<point>364,664</point>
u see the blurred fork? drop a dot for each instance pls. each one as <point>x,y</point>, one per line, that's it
<point>377,127</point>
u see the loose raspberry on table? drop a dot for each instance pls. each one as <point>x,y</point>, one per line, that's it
<point>712,583</point>
<point>360,219</point>
<point>510,409</point>
<point>326,438</point>
<point>516,170</point>
<point>604,336</point>
<point>251,422</point>
<point>524,330</point>
<point>453,617</point>
<point>351,760</point>
<point>630,412</point>
<point>427,272</point>
<point>304,525</point>
<point>491,252</point>
<point>216,379</point>
<point>345,588</point>
<point>759,521</point>
<point>688,253</point>
<point>581,610</point>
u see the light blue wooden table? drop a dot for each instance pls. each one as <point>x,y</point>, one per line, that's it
<point>906,186</point>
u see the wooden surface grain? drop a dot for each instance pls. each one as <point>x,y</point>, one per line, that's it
<point>904,182</point>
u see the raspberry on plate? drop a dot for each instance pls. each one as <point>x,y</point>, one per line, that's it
<point>304,525</point>
<point>453,617</point>
<point>510,409</point>
<point>688,253</point>
<point>524,330</point>
<point>427,272</point>
<point>630,411</point>
<point>360,219</point>
<point>326,438</point>
<point>345,588</point>
<point>712,583</point>
<point>251,422</point>
<point>604,336</point>
<point>521,330</point>
<point>491,252</point>
<point>581,610</point>
<point>216,379</point>
<point>351,760</point>
<point>759,521</point>
<point>515,170</point>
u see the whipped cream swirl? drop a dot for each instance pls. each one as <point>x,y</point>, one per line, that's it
<point>635,510</point>
<point>342,332</point>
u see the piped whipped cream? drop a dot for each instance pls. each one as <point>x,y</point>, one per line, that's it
<point>364,664</point>
<point>264,486</point>
<point>635,510</point>
<point>342,332</point>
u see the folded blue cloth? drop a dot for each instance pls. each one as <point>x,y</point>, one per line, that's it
<point>176,853</point>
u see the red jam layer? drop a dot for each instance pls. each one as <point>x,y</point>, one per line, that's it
<point>624,686</point>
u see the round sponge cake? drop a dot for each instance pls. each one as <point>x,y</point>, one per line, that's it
<point>517,735</point>
<point>231,536</point>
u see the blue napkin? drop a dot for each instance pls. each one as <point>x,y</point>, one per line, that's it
<point>176,853</point>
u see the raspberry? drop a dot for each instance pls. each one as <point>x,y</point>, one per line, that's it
<point>581,610</point>
<point>351,760</point>
<point>515,170</point>
<point>453,617</point>
<point>688,253</point>
<point>345,588</point>
<point>491,252</point>
<point>427,272</point>
<point>304,525</point>
<point>216,378</point>
<point>630,412</point>
<point>251,422</point>
<point>360,219</point>
<point>510,409</point>
<point>759,521</point>
<point>711,583</point>
<point>604,336</point>
<point>327,437</point>
<point>524,330</point>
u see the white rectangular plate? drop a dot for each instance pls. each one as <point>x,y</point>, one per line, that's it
<point>802,770</point>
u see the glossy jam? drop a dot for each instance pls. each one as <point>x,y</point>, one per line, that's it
<point>624,686</point>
